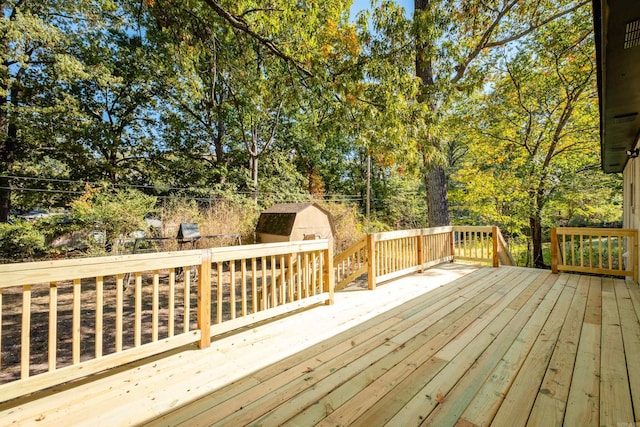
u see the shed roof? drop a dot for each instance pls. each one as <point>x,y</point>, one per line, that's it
<point>291,207</point>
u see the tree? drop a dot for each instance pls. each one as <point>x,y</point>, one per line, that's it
<point>540,136</point>
<point>255,74</point>
<point>451,39</point>
<point>34,39</point>
<point>114,127</point>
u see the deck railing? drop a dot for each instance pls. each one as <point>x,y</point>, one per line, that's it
<point>608,251</point>
<point>397,253</point>
<point>61,320</point>
<point>351,263</point>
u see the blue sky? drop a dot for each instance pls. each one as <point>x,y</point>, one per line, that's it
<point>358,5</point>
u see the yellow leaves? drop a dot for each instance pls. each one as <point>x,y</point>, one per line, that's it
<point>331,28</point>
<point>326,49</point>
<point>150,3</point>
<point>339,41</point>
<point>85,202</point>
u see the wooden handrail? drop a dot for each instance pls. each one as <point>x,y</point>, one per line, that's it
<point>503,251</point>
<point>166,282</point>
<point>351,263</point>
<point>397,253</point>
<point>603,251</point>
<point>386,255</point>
<point>480,244</point>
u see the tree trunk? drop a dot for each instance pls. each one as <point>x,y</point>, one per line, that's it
<point>253,165</point>
<point>435,175</point>
<point>536,237</point>
<point>437,198</point>
<point>8,151</point>
<point>368,209</point>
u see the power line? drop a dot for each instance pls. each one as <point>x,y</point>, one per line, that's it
<point>176,197</point>
<point>154,187</point>
<point>41,190</point>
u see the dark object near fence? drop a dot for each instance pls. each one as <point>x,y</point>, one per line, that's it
<point>188,234</point>
<point>289,222</point>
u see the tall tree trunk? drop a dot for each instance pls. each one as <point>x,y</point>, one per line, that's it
<point>536,237</point>
<point>8,151</point>
<point>253,166</point>
<point>254,171</point>
<point>218,142</point>
<point>435,175</point>
<point>437,197</point>
<point>535,222</point>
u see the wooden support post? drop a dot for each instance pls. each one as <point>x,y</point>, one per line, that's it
<point>420,238</point>
<point>554,250</point>
<point>328,273</point>
<point>204,299</point>
<point>452,242</point>
<point>496,259</point>
<point>371,262</point>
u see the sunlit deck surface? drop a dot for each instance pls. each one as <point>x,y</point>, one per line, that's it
<point>456,344</point>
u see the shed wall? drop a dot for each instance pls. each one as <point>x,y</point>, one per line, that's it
<point>311,221</point>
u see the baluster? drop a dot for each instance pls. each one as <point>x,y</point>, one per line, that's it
<point>25,342</point>
<point>155,306</point>
<point>137,326</point>
<point>99,315</point>
<point>254,285</point>
<point>172,302</point>
<point>232,289</point>
<point>187,298</point>
<point>77,304</point>
<point>219,293</point>
<point>53,325</point>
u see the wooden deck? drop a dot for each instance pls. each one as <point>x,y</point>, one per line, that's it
<point>456,345</point>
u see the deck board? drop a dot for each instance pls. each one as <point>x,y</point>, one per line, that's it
<point>456,345</point>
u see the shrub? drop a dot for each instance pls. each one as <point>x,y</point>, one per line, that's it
<point>21,240</point>
<point>114,213</point>
<point>347,223</point>
<point>223,216</point>
<point>175,211</point>
<point>231,217</point>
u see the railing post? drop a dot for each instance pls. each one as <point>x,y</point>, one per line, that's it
<point>496,259</point>
<point>420,238</point>
<point>204,299</point>
<point>371,262</point>
<point>329,276</point>
<point>452,243</point>
<point>554,250</point>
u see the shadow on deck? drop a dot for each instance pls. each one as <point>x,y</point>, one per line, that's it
<point>455,344</point>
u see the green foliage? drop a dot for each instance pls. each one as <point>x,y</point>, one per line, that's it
<point>116,213</point>
<point>21,240</point>
<point>231,112</point>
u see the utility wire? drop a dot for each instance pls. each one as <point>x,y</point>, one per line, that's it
<point>153,187</point>
<point>175,197</point>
